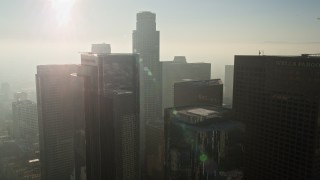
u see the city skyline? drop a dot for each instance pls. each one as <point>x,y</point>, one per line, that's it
<point>209,31</point>
<point>240,100</point>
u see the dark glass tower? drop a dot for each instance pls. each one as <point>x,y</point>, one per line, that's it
<point>56,117</point>
<point>111,115</point>
<point>278,99</point>
<point>79,137</point>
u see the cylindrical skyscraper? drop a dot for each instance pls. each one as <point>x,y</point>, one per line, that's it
<point>146,44</point>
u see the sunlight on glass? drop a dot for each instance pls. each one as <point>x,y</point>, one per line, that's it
<point>63,10</point>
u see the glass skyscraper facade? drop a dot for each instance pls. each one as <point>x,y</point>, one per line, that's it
<point>278,99</point>
<point>56,118</point>
<point>112,112</point>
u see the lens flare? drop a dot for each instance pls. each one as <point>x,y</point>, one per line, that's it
<point>203,157</point>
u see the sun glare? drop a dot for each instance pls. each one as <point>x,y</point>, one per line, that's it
<point>63,10</point>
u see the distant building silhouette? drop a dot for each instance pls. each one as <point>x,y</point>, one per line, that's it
<point>146,42</point>
<point>19,96</point>
<point>5,90</point>
<point>25,120</point>
<point>278,99</point>
<point>228,85</point>
<point>205,92</point>
<point>5,101</point>
<point>179,70</point>
<point>100,48</point>
<point>56,117</point>
<point>111,115</point>
<point>16,167</point>
<point>202,142</point>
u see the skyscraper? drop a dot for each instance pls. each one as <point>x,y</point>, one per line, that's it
<point>202,142</point>
<point>228,85</point>
<point>155,150</point>
<point>56,116</point>
<point>179,70</point>
<point>146,42</point>
<point>205,92</point>
<point>278,99</point>
<point>79,136</point>
<point>112,115</point>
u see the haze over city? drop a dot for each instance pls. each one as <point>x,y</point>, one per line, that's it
<point>159,90</point>
<point>55,31</point>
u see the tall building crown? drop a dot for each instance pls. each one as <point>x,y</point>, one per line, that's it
<point>146,20</point>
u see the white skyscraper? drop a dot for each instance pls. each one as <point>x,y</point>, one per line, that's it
<point>25,119</point>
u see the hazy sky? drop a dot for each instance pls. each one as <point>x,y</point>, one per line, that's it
<point>54,31</point>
